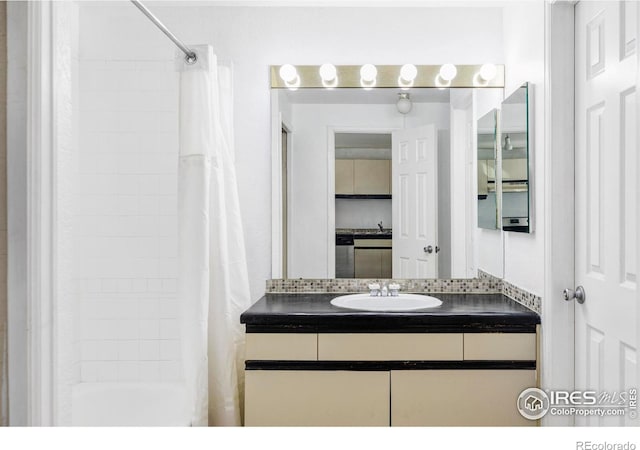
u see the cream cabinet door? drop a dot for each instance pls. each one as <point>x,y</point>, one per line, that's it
<point>458,397</point>
<point>371,176</point>
<point>514,169</point>
<point>367,263</point>
<point>386,258</point>
<point>316,398</point>
<point>483,187</point>
<point>344,176</point>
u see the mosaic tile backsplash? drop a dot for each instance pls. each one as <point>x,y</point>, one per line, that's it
<point>484,284</point>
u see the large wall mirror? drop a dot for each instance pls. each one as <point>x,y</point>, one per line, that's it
<point>367,183</point>
<point>516,176</point>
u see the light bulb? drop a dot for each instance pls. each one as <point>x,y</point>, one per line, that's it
<point>368,72</point>
<point>408,72</point>
<point>448,72</point>
<point>507,143</point>
<point>288,73</point>
<point>328,72</point>
<point>488,72</point>
<point>404,104</point>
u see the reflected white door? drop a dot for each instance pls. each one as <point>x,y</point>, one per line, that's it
<point>415,196</point>
<point>606,202</point>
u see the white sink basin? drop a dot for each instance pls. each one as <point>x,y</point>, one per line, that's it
<point>403,302</point>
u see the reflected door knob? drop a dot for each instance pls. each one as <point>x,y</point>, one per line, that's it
<point>578,294</point>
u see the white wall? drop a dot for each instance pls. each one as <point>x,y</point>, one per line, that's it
<point>352,213</point>
<point>523,25</point>
<point>522,261</point>
<point>310,161</point>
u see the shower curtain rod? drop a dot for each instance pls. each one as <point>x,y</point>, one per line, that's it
<point>191,55</point>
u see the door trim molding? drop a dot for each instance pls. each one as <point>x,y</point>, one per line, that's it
<point>41,251</point>
<point>52,39</point>
<point>557,365</point>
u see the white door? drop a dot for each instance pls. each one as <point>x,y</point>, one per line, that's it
<point>414,199</point>
<point>606,202</point>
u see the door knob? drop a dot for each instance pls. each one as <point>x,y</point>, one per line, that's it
<point>578,294</point>
<point>429,249</point>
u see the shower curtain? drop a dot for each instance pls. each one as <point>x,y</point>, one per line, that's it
<point>213,278</point>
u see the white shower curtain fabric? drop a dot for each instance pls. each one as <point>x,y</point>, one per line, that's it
<point>213,278</point>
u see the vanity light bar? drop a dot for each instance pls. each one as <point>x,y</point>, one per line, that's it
<point>387,76</point>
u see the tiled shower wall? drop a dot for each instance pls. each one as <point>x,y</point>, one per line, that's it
<point>4,419</point>
<point>126,216</point>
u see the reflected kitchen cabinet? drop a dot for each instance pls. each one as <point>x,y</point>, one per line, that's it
<point>372,176</point>
<point>363,177</point>
<point>486,176</point>
<point>344,177</point>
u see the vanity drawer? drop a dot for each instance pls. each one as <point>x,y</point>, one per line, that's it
<point>281,346</point>
<point>500,346</point>
<point>390,347</point>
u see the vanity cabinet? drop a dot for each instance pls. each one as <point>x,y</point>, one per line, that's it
<point>317,398</point>
<point>458,397</point>
<point>382,379</point>
<point>363,177</point>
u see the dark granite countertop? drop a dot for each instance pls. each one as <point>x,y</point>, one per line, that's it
<point>365,233</point>
<point>308,313</point>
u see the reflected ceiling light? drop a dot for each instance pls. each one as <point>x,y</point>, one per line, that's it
<point>448,72</point>
<point>488,72</point>
<point>404,104</point>
<point>507,143</point>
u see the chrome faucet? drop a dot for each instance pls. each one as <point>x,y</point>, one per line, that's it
<point>380,226</point>
<point>384,292</point>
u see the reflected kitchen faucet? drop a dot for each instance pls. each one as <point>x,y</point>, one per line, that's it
<point>380,226</point>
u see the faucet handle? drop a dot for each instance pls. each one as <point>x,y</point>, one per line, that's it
<point>374,289</point>
<point>393,289</point>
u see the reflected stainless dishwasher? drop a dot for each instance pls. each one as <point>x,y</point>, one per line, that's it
<point>344,256</point>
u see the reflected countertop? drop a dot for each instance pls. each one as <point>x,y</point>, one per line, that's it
<point>458,313</point>
<point>365,233</point>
